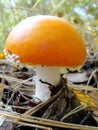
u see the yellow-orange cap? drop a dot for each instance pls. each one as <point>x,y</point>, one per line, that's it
<point>46,40</point>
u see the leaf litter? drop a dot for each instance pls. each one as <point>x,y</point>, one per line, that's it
<point>73,103</point>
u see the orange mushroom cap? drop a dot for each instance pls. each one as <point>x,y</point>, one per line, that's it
<point>46,40</point>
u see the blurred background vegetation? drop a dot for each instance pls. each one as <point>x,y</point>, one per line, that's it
<point>82,13</point>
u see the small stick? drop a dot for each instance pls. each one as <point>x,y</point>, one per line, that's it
<point>34,125</point>
<point>46,83</point>
<point>18,107</point>
<point>85,118</point>
<point>2,85</point>
<point>81,87</point>
<point>97,94</point>
<point>21,89</point>
<point>41,105</point>
<point>16,117</point>
<point>96,70</point>
<point>77,109</point>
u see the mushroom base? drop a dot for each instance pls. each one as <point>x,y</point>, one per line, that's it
<point>46,74</point>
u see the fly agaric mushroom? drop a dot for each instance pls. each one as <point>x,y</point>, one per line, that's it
<point>47,42</point>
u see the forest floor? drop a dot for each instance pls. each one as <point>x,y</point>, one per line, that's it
<point>73,103</point>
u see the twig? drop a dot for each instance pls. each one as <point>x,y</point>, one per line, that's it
<point>59,5</point>
<point>2,86</point>
<point>41,105</point>
<point>96,70</point>
<point>34,125</point>
<point>19,107</point>
<point>12,95</point>
<point>25,97</point>
<point>16,118</point>
<point>20,81</point>
<point>85,118</point>
<point>77,109</point>
<point>46,83</point>
<point>97,94</point>
<point>36,3</point>
<point>21,89</point>
<point>81,87</point>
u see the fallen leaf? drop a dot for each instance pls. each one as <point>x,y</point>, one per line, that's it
<point>2,56</point>
<point>85,99</point>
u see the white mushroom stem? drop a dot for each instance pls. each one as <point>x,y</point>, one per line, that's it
<point>46,74</point>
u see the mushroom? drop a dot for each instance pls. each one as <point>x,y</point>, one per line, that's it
<point>47,42</point>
